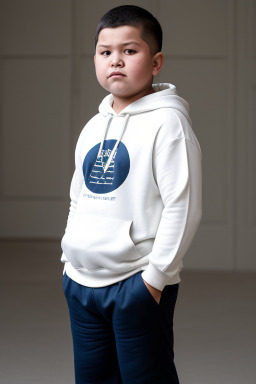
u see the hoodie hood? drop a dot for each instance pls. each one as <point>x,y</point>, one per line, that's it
<point>165,96</point>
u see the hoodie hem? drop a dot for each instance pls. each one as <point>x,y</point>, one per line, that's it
<point>99,278</point>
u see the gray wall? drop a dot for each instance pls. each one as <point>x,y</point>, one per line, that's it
<point>48,91</point>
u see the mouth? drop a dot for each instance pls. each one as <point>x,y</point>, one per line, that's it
<point>116,74</point>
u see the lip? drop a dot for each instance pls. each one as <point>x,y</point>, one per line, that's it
<point>116,74</point>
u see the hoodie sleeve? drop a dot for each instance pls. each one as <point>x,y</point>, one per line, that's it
<point>177,170</point>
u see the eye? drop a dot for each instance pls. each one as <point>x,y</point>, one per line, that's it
<point>130,51</point>
<point>106,53</point>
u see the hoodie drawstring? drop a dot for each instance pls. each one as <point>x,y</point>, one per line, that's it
<point>117,142</point>
<point>104,134</point>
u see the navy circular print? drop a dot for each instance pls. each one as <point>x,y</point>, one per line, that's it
<point>98,181</point>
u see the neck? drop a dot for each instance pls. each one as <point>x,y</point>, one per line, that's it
<point>120,103</point>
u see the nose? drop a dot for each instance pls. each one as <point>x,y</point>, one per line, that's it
<point>116,61</point>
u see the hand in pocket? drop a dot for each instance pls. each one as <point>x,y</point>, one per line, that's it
<point>154,292</point>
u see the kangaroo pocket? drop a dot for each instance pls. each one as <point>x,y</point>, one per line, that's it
<point>94,242</point>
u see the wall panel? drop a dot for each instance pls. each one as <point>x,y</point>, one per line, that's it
<point>35,120</point>
<point>245,136</point>
<point>35,27</point>
<point>252,30</point>
<point>33,218</point>
<point>197,27</point>
<point>252,159</point>
<point>35,136</point>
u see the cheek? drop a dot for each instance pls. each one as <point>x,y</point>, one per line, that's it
<point>141,72</point>
<point>99,72</point>
<point>100,67</point>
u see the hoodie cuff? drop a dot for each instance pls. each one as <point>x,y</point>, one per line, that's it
<point>158,279</point>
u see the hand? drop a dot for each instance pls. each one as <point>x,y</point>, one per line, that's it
<point>154,292</point>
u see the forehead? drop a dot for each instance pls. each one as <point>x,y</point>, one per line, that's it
<point>122,34</point>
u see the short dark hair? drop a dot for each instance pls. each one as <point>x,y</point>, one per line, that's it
<point>137,17</point>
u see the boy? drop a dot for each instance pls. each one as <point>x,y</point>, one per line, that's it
<point>135,207</point>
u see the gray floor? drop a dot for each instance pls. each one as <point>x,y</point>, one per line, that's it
<point>215,322</point>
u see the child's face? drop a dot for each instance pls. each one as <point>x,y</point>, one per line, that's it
<point>121,50</point>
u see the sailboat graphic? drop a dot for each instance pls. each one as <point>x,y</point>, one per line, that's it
<point>97,175</point>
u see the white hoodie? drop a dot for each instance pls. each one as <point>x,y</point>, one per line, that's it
<point>135,194</point>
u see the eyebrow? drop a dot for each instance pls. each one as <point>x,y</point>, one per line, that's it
<point>108,46</point>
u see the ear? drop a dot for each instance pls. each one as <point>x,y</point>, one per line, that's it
<point>157,61</point>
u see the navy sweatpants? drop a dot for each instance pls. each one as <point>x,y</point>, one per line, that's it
<point>121,334</point>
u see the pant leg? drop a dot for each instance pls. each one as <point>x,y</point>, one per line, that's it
<point>95,356</point>
<point>144,333</point>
